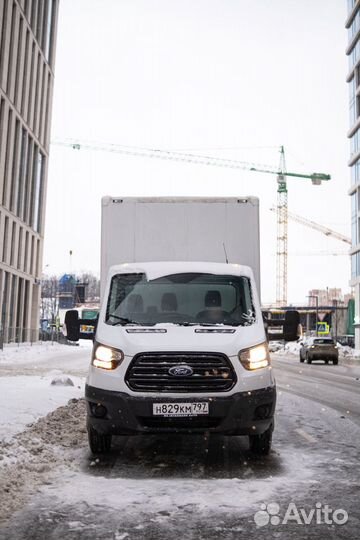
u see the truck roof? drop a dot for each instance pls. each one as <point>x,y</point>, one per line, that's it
<point>106,200</point>
<point>154,270</point>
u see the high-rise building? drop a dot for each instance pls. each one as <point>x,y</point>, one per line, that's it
<point>353,79</point>
<point>27,52</point>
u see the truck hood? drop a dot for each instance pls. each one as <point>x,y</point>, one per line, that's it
<point>168,337</point>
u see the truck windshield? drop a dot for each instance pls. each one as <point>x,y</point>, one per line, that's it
<point>188,298</point>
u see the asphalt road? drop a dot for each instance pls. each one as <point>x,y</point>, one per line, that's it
<point>337,387</point>
<point>206,487</point>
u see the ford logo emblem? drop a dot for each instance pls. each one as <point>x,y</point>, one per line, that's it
<point>181,371</point>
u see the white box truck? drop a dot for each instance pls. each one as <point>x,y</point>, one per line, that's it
<point>180,344</point>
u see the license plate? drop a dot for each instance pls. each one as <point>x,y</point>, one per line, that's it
<point>85,329</point>
<point>181,409</point>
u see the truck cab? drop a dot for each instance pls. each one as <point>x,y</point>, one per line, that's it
<point>180,347</point>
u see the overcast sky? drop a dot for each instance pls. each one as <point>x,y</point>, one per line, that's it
<point>223,77</point>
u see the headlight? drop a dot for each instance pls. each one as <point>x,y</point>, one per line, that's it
<point>107,357</point>
<point>255,357</point>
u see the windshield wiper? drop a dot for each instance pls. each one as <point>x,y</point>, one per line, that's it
<point>123,321</point>
<point>220,324</point>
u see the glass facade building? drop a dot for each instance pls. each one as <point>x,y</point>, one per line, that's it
<point>27,51</point>
<point>353,79</point>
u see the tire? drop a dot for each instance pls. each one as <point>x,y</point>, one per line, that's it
<point>308,360</point>
<point>99,443</point>
<point>301,359</point>
<point>335,362</point>
<point>261,444</point>
<point>326,362</point>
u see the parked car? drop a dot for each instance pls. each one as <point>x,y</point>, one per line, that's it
<point>319,348</point>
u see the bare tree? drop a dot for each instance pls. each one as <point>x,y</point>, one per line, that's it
<point>49,297</point>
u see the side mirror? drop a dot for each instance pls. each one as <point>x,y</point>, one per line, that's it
<point>72,325</point>
<point>291,325</point>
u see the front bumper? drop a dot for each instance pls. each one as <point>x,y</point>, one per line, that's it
<point>243,413</point>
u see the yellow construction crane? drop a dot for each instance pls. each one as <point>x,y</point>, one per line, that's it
<point>317,227</point>
<point>280,172</point>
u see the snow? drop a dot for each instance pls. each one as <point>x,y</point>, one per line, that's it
<point>24,399</point>
<point>171,494</point>
<point>38,352</point>
<point>31,457</point>
<point>36,379</point>
<point>293,348</point>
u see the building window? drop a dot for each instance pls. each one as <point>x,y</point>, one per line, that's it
<point>12,247</point>
<point>355,173</point>
<point>18,60</point>
<point>4,298</point>
<point>354,55</point>
<point>12,306</point>
<point>5,8</point>
<point>20,246</point>
<point>28,180</point>
<point>25,78</point>
<point>354,221</point>
<point>26,310</point>
<point>33,14</point>
<point>38,192</point>
<point>354,142</point>
<point>352,88</point>
<point>11,51</point>
<point>22,174</point>
<point>355,25</point>
<point>31,84</point>
<point>7,158</point>
<point>5,242</point>
<point>352,113</point>
<point>15,168</point>
<point>19,308</point>
<point>37,271</point>
<point>49,30</point>
<point>26,254</point>
<point>32,255</point>
<point>350,5</point>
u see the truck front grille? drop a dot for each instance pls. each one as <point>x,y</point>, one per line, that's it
<point>211,372</point>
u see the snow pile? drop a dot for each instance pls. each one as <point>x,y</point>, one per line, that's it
<point>25,398</point>
<point>275,346</point>
<point>29,458</point>
<point>348,352</point>
<point>292,347</point>
<point>62,381</point>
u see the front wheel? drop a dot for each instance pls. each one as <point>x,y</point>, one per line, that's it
<point>99,443</point>
<point>335,362</point>
<point>261,444</point>
<point>301,359</point>
<point>308,359</point>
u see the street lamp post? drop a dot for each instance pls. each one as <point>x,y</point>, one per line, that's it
<point>335,303</point>
<point>317,310</point>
